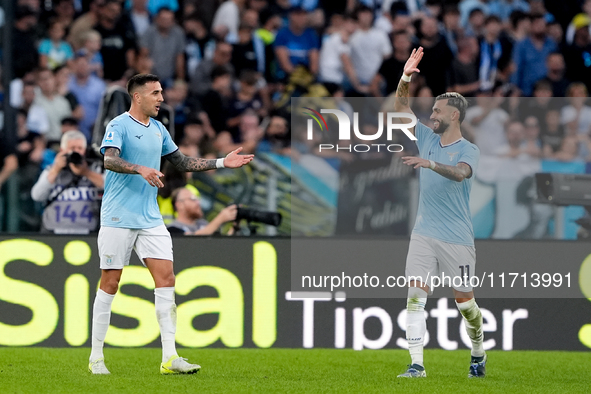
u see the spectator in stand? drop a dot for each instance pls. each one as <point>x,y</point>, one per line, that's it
<point>248,136</point>
<point>450,27</point>
<point>437,59</point>
<point>8,165</point>
<point>199,43</point>
<point>577,117</point>
<point>570,30</point>
<point>89,90</point>
<point>228,15</point>
<point>520,26</point>
<point>119,40</point>
<point>189,215</point>
<point>140,17</point>
<point>91,49</point>
<point>30,144</point>
<point>556,145</point>
<point>247,98</point>
<point>248,53</point>
<point>54,51</point>
<point>70,189</point>
<point>215,100</point>
<point>176,97</point>
<point>369,48</point>
<point>202,77</point>
<point>504,8</point>
<point>335,57</point>
<point>532,143</point>
<point>555,75</point>
<point>530,55</point>
<point>555,32</point>
<point>165,43</point>
<point>539,103</point>
<point>475,23</point>
<point>155,5</point>
<point>494,49</point>
<point>389,73</point>
<point>36,117</point>
<point>296,45</point>
<point>63,12</point>
<point>467,8</point>
<point>197,138</point>
<point>84,23</point>
<point>24,47</point>
<point>55,105</point>
<point>277,137</point>
<point>463,73</point>
<point>62,86</point>
<point>578,55</point>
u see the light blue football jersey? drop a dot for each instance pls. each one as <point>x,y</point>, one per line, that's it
<point>444,205</point>
<point>129,200</point>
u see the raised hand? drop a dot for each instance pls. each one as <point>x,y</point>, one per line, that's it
<point>413,61</point>
<point>234,160</point>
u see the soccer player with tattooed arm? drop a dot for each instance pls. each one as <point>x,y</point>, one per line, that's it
<point>442,241</point>
<point>133,145</point>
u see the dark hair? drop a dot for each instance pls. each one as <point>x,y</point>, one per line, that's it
<point>537,16</point>
<point>165,9</point>
<point>174,196</point>
<point>361,8</point>
<point>140,80</point>
<point>193,120</point>
<point>69,121</point>
<point>516,17</point>
<point>455,100</point>
<point>492,18</point>
<point>219,71</point>
<point>451,9</point>
<point>249,77</point>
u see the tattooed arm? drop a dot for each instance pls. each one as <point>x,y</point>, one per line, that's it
<point>456,173</point>
<point>115,163</point>
<point>189,164</point>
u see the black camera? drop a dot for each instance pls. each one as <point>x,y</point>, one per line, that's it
<point>253,215</point>
<point>75,158</point>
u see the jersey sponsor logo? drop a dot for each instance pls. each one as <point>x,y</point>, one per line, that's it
<point>139,136</point>
<point>452,155</point>
<point>115,219</point>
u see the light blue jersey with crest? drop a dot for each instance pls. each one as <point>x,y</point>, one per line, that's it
<point>444,205</point>
<point>129,200</point>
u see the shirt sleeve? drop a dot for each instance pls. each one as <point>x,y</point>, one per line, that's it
<point>424,134</point>
<point>68,50</point>
<point>44,47</point>
<point>470,155</point>
<point>168,145</point>
<point>113,137</point>
<point>280,39</point>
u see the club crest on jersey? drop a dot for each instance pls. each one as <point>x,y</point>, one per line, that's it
<point>452,155</point>
<point>109,259</point>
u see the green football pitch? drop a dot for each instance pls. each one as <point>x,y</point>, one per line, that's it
<point>48,370</point>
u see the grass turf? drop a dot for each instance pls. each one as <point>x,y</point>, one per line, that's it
<point>47,370</point>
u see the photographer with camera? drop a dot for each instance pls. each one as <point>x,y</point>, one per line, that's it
<point>190,221</point>
<point>70,189</point>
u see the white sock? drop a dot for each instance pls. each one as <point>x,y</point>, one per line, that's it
<point>101,316</point>
<point>166,316</point>
<point>416,324</point>
<point>473,323</point>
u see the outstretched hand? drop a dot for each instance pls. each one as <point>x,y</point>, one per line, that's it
<point>413,61</point>
<point>416,162</point>
<point>234,160</point>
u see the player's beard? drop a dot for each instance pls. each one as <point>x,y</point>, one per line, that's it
<point>441,128</point>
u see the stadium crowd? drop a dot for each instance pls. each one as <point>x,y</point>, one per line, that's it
<point>228,69</point>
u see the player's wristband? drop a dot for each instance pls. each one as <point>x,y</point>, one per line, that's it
<point>431,164</point>
<point>219,163</point>
<point>405,78</point>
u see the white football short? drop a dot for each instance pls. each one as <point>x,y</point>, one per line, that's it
<point>115,245</point>
<point>430,258</point>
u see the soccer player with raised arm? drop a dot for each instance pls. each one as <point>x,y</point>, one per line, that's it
<point>132,147</point>
<point>442,241</point>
